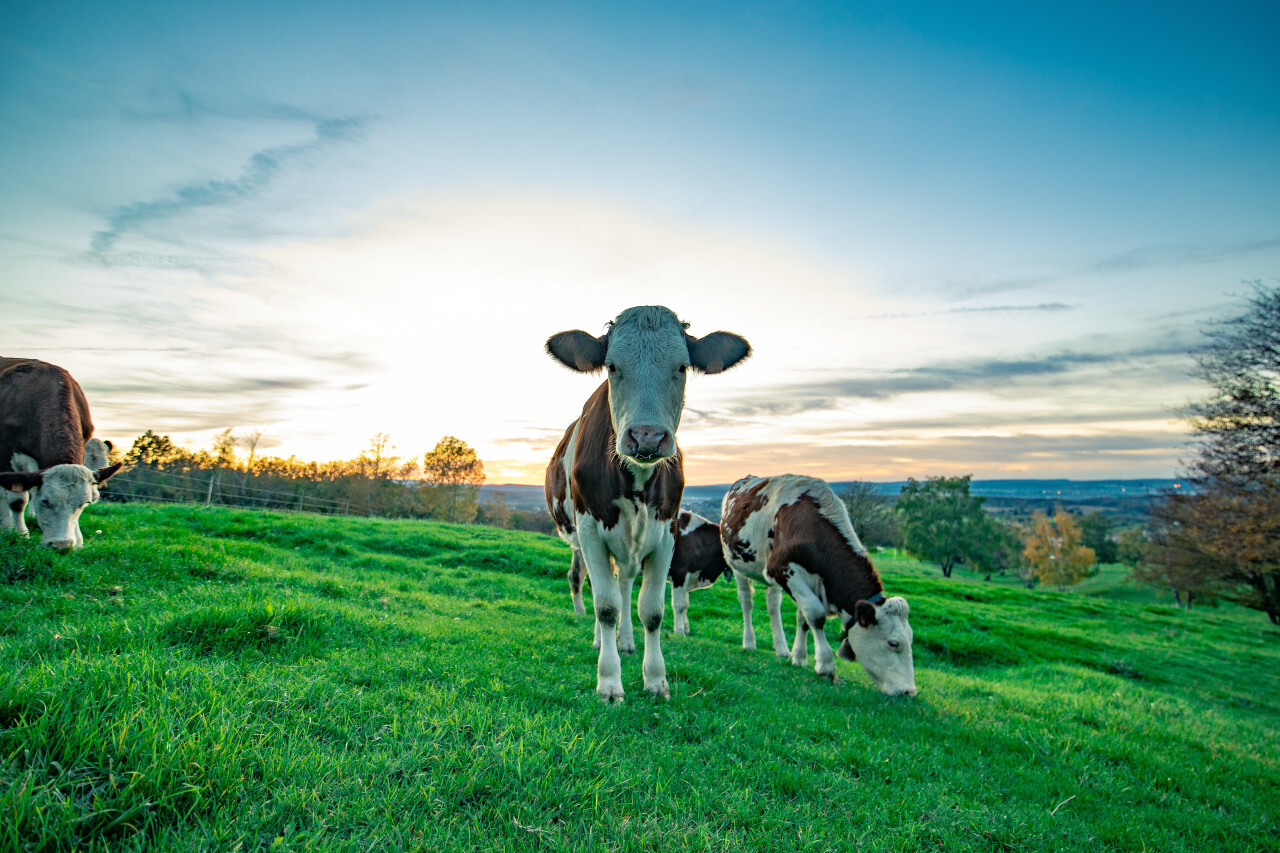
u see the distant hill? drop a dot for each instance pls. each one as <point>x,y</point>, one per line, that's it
<point>1125,499</point>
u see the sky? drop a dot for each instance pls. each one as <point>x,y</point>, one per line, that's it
<point>977,238</point>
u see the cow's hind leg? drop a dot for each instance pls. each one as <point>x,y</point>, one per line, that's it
<point>577,576</point>
<point>810,609</point>
<point>773,600</point>
<point>680,607</point>
<point>745,591</point>
<point>800,646</point>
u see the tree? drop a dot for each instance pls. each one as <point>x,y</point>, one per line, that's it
<point>1223,533</point>
<point>1095,529</point>
<point>1055,552</point>
<point>942,522</point>
<point>153,450</point>
<point>455,474</point>
<point>224,448</point>
<point>871,514</point>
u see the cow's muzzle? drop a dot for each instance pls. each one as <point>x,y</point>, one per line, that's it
<point>647,442</point>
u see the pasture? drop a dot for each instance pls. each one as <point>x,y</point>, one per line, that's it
<point>209,678</point>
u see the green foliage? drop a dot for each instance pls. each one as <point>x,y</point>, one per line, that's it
<point>1054,550</point>
<point>1096,533</point>
<point>944,523</point>
<point>872,515</point>
<point>428,687</point>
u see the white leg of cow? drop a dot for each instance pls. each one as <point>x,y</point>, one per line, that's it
<point>800,646</point>
<point>811,609</point>
<point>577,576</point>
<point>653,588</point>
<point>745,591</point>
<point>626,633</point>
<point>608,605</point>
<point>773,601</point>
<point>680,608</point>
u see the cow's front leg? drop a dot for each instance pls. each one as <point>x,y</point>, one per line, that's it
<point>608,604</point>
<point>745,591</point>
<point>680,607</point>
<point>653,587</point>
<point>800,646</point>
<point>773,601</point>
<point>626,634</point>
<point>810,609</point>
<point>577,576</point>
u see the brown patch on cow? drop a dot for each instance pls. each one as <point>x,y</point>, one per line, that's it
<point>607,615</point>
<point>865,613</point>
<point>43,414</point>
<point>556,484</point>
<point>697,553</point>
<point>599,477</point>
<point>654,622</point>
<point>807,538</point>
<point>577,572</point>
<point>742,505</point>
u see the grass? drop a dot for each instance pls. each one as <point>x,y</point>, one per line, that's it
<point>205,678</point>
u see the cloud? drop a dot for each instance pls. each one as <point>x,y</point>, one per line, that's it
<point>258,174</point>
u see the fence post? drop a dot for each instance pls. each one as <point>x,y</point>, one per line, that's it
<point>208,498</point>
<point>301,492</point>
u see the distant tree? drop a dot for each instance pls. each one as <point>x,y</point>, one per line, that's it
<point>494,512</point>
<point>1095,529</point>
<point>1055,552</point>
<point>153,450</point>
<point>941,521</point>
<point>1223,533</point>
<point>224,448</point>
<point>1131,546</point>
<point>871,514</point>
<point>455,474</point>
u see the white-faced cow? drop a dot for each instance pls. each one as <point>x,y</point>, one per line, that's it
<point>44,424</point>
<point>794,534</point>
<point>696,563</point>
<point>97,453</point>
<point>615,482</point>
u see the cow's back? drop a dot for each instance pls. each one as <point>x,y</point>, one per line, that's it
<point>43,414</point>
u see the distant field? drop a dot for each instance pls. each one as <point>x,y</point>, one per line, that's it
<point>207,678</point>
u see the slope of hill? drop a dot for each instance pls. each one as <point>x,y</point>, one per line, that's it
<point>207,678</point>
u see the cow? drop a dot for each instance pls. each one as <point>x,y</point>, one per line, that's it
<point>615,481</point>
<point>97,453</point>
<point>44,425</point>
<point>696,563</point>
<point>794,534</point>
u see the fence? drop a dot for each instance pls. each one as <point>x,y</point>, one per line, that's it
<point>221,488</point>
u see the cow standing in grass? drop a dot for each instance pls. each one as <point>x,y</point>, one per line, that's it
<point>696,562</point>
<point>44,425</point>
<point>794,534</point>
<point>615,481</point>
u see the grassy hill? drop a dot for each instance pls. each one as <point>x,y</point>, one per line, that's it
<point>200,678</point>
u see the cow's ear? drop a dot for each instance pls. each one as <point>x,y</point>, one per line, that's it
<point>103,474</point>
<point>21,481</point>
<point>108,444</point>
<point>717,351</point>
<point>865,612</point>
<point>846,651</point>
<point>577,350</point>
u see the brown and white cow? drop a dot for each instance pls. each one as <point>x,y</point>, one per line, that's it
<point>44,425</point>
<point>696,563</point>
<point>615,481</point>
<point>794,534</point>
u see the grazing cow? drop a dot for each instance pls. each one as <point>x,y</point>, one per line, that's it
<point>794,534</point>
<point>615,481</point>
<point>696,563</point>
<point>97,453</point>
<point>44,425</point>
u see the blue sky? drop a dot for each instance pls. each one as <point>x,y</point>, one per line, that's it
<point>963,238</point>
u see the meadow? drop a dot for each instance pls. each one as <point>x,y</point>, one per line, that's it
<point>212,678</point>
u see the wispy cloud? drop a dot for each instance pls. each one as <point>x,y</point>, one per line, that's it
<point>259,173</point>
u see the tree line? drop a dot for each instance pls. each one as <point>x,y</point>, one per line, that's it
<point>443,484</point>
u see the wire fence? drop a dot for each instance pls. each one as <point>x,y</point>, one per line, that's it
<point>224,488</point>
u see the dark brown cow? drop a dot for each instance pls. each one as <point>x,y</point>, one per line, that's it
<point>615,481</point>
<point>44,425</point>
<point>794,534</point>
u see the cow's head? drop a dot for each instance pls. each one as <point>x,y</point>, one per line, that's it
<point>647,354</point>
<point>97,453</point>
<point>879,637</point>
<point>65,490</point>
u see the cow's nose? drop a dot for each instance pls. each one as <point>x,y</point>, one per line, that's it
<point>61,544</point>
<point>647,441</point>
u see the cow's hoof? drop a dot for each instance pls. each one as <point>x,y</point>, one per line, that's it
<point>659,691</point>
<point>628,649</point>
<point>610,695</point>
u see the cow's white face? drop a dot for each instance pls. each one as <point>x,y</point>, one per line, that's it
<point>881,642</point>
<point>647,354</point>
<point>97,454</point>
<point>65,491</point>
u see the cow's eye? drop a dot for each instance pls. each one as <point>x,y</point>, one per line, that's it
<point>893,644</point>
<point>683,368</point>
<point>613,368</point>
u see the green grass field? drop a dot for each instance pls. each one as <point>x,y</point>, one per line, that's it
<point>202,678</point>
